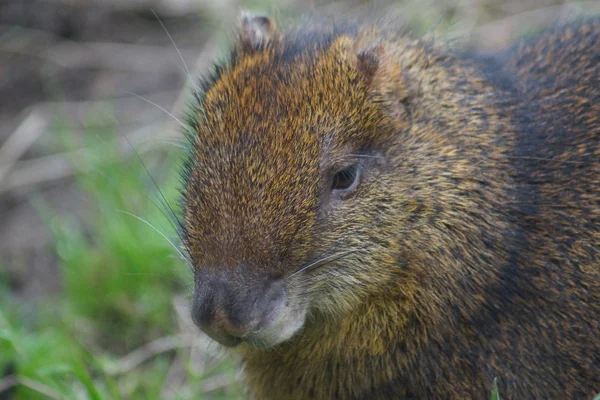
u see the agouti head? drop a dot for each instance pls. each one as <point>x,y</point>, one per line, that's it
<point>305,194</point>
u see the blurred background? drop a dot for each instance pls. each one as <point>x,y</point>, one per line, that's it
<point>93,295</point>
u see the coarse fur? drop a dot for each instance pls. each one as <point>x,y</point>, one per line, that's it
<point>469,249</point>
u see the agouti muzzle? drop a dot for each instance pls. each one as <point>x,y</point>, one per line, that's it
<point>373,216</point>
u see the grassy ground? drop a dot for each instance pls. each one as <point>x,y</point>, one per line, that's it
<point>118,327</point>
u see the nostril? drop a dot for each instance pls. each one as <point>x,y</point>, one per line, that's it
<point>230,325</point>
<point>217,312</point>
<point>201,309</point>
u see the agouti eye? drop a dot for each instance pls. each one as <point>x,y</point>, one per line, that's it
<point>346,178</point>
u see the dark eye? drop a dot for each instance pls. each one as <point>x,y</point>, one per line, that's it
<point>346,178</point>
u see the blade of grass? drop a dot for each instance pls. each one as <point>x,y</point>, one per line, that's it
<point>495,393</point>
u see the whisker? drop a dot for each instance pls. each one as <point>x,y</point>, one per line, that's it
<point>170,114</point>
<point>320,281</point>
<point>175,143</point>
<point>111,182</point>
<point>320,284</point>
<point>175,46</point>
<point>161,276</point>
<point>162,196</point>
<point>115,186</point>
<point>161,208</point>
<point>183,257</point>
<point>363,156</point>
<point>324,261</point>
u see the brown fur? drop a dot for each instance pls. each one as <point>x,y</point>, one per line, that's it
<point>476,221</point>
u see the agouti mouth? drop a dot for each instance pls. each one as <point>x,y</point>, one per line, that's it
<point>227,340</point>
<point>233,341</point>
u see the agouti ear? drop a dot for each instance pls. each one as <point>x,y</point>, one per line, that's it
<point>255,31</point>
<point>369,61</point>
<point>385,78</point>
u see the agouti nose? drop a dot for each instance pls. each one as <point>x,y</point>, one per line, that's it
<point>230,309</point>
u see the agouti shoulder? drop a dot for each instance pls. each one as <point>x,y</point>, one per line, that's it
<point>373,216</point>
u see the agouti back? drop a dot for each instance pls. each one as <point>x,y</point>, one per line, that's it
<point>372,216</point>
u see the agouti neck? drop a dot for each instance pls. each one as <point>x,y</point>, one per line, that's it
<point>317,360</point>
<point>349,356</point>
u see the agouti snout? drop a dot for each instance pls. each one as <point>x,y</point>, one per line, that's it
<point>253,309</point>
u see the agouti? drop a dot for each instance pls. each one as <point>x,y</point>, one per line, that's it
<point>374,216</point>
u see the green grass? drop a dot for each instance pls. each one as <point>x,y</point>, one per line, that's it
<point>495,395</point>
<point>119,279</point>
